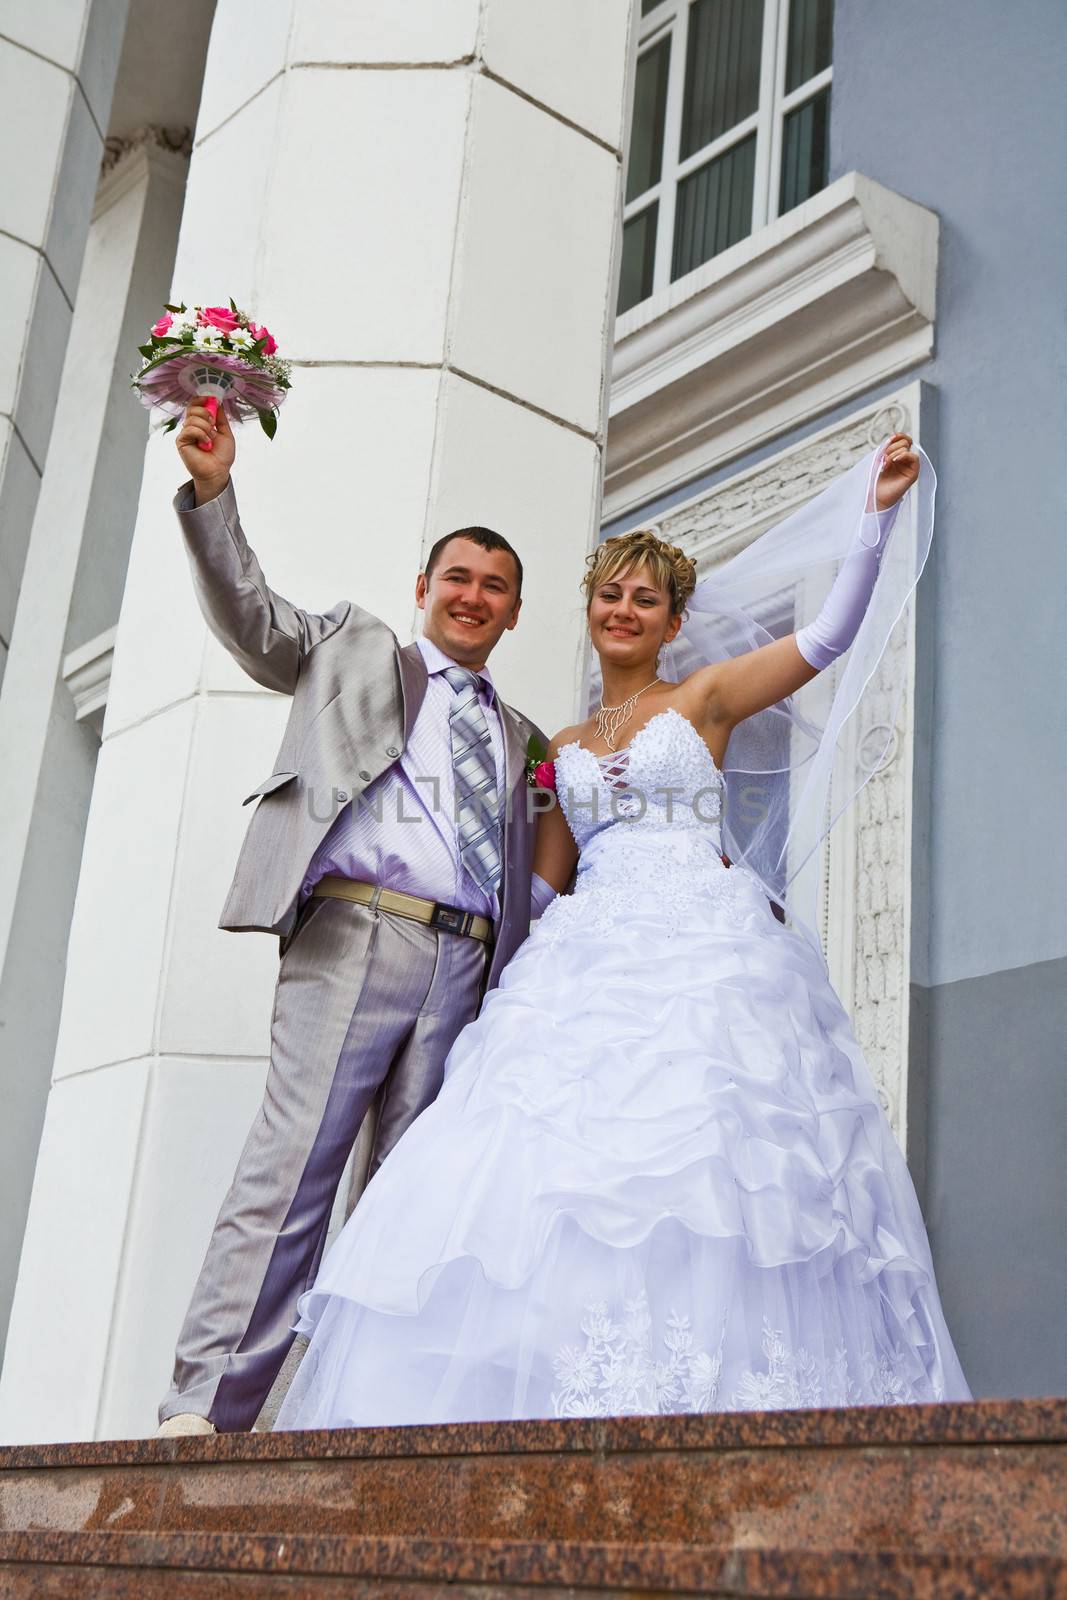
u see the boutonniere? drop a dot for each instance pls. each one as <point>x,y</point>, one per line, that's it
<point>540,772</point>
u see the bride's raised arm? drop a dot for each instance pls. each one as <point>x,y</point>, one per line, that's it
<point>730,691</point>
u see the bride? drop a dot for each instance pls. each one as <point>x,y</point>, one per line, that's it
<point>657,1177</point>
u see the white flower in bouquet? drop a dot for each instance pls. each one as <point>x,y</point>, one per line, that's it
<point>241,339</point>
<point>207,339</point>
<point>173,324</point>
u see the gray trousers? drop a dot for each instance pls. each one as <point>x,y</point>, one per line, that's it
<point>365,1001</point>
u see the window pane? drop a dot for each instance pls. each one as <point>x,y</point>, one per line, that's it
<point>646,134</point>
<point>714,207</point>
<point>811,40</point>
<point>721,69</point>
<point>648,5</point>
<point>638,258</point>
<point>805,151</point>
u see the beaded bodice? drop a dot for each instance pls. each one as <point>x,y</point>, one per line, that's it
<point>665,778</point>
<point>647,823</point>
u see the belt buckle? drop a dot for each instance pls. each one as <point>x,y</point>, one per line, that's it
<point>451,919</point>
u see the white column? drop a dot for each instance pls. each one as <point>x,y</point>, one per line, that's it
<point>80,528</point>
<point>422,203</point>
<point>57,69</point>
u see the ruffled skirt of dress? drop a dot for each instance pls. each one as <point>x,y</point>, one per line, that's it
<point>657,1179</point>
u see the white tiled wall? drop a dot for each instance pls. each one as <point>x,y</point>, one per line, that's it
<point>567,54</point>
<point>216,986</point>
<point>378,158</point>
<point>380,31</point>
<point>248,49</point>
<point>118,935</point>
<point>34,94</point>
<point>72,1256</point>
<point>196,1119</point>
<point>160,644</point>
<point>534,257</point>
<point>220,246</point>
<point>43,366</point>
<point>51,27</point>
<point>19,266</point>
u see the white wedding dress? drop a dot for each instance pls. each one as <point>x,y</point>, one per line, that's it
<point>657,1177</point>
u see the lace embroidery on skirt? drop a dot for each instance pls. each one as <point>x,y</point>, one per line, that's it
<point>617,1372</point>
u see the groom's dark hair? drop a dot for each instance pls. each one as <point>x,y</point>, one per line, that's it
<point>481,536</point>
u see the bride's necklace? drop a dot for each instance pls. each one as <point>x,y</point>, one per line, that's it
<point>610,719</point>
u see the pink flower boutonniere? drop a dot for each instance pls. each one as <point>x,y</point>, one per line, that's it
<point>545,775</point>
<point>540,772</point>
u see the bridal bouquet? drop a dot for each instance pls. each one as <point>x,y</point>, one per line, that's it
<point>217,354</point>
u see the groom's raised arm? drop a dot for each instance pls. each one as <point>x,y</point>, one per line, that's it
<point>265,633</point>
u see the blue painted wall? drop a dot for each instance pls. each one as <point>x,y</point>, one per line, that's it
<point>961,106</point>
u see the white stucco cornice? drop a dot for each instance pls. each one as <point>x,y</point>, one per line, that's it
<point>832,298</point>
<point>87,674</point>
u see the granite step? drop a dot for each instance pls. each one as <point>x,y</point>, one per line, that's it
<point>877,1501</point>
<point>212,1566</point>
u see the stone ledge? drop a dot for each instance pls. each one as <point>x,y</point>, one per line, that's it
<point>832,298</point>
<point>1042,1421</point>
<point>440,1565</point>
<point>985,1480</point>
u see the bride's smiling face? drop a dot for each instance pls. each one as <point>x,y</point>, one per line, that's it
<point>630,618</point>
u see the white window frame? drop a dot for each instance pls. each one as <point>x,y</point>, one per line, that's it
<point>768,120</point>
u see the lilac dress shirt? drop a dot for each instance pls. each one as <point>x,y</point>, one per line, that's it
<point>401,832</point>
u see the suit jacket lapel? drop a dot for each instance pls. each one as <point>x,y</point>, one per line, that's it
<point>514,748</point>
<point>413,680</point>
<point>514,829</point>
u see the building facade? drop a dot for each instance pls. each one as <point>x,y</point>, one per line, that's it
<point>561,269</point>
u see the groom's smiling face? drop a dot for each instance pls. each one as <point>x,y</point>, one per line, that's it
<point>470,598</point>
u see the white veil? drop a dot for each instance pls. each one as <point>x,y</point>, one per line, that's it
<point>793,770</point>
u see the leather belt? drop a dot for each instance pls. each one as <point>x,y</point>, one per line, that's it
<point>431,912</point>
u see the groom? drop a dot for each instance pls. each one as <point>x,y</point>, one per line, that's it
<point>390,851</point>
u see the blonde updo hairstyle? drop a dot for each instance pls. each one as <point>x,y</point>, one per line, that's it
<point>669,567</point>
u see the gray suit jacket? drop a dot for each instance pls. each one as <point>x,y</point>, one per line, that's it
<point>356,693</point>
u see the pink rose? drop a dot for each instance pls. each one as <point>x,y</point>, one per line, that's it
<point>220,317</point>
<point>545,775</point>
<point>163,325</point>
<point>258,331</point>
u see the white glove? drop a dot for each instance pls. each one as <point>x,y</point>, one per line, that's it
<point>838,621</point>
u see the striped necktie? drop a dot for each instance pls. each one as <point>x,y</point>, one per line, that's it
<point>477,798</point>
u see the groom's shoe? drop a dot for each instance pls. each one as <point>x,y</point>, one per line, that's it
<point>185,1422</point>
